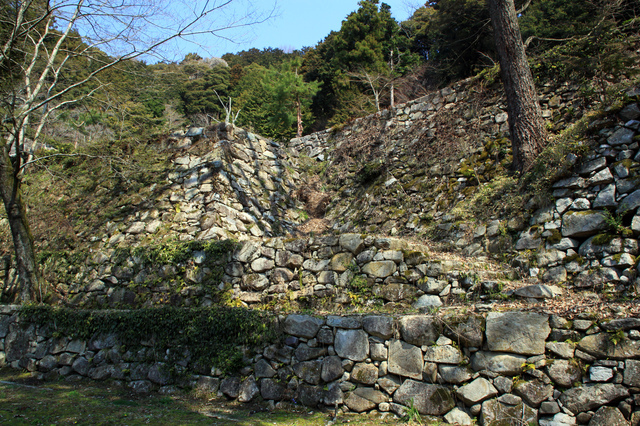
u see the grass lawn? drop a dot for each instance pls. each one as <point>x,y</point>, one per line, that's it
<point>26,401</point>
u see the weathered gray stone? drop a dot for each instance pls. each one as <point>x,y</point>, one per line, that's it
<point>248,252</point>
<point>264,369</point>
<point>498,362</point>
<point>16,344</point>
<point>341,262</point>
<point>352,344</point>
<point>419,330</point>
<point>315,265</point>
<point>371,394</point>
<point>608,416</point>
<point>621,324</point>
<point>533,392</point>
<point>380,269</point>
<point>587,398</point>
<point>331,368</point>
<point>443,355</point>
<point>600,374</point>
<point>302,325</point>
<point>466,331</point>
<point>352,242</point>
<point>454,374</point>
<point>257,282</point>
<point>405,360</point>
<point>517,332</point>
<point>230,386</point>
<point>606,197</point>
<point>389,383</point>
<point>379,326</point>
<point>309,371</point>
<point>592,166</point>
<point>632,373</point>
<point>248,390</point>
<point>208,384</point>
<point>428,399</point>
<point>496,413</point>
<point>582,223</point>
<point>358,404</point>
<point>561,349</point>
<point>305,353</point>
<point>159,374</point>
<point>427,301</point>
<point>271,390</point>
<point>378,351</point>
<point>458,417</point>
<point>262,264</point>
<point>476,391</point>
<point>564,373</point>
<point>601,346</point>
<point>395,292</point>
<point>622,136</point>
<point>344,322</point>
<point>630,202</point>
<point>364,373</point>
<point>538,291</point>
<point>334,396</point>
<point>309,396</point>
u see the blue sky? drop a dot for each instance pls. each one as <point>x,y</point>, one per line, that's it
<point>296,24</point>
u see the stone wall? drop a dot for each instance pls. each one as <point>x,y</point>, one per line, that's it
<point>241,186</point>
<point>493,367</point>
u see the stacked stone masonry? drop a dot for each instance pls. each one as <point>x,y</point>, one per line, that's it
<point>489,368</point>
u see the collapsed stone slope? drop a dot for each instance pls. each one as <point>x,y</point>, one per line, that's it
<point>384,182</point>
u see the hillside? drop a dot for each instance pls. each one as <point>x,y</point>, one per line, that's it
<point>410,208</point>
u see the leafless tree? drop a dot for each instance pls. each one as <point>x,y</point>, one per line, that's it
<point>41,39</point>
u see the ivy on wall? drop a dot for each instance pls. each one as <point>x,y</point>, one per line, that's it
<point>213,336</point>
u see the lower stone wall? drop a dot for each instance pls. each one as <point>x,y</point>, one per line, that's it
<point>494,368</point>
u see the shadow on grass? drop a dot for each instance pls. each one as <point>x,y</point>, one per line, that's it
<point>27,401</point>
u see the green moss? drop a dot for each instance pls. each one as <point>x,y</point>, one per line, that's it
<point>555,236</point>
<point>602,239</point>
<point>574,257</point>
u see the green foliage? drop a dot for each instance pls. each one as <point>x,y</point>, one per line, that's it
<point>288,96</point>
<point>198,94</point>
<point>454,36</point>
<point>212,335</point>
<point>370,41</point>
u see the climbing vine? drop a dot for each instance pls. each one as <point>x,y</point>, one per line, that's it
<point>213,336</point>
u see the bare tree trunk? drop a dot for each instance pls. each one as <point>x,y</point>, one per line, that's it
<point>29,285</point>
<point>528,135</point>
<point>299,113</point>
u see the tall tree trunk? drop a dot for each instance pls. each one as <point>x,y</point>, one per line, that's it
<point>28,285</point>
<point>528,135</point>
<point>299,116</point>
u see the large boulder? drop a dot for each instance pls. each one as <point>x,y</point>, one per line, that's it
<point>434,400</point>
<point>352,344</point>
<point>517,332</point>
<point>302,325</point>
<point>405,360</point>
<point>587,398</point>
<point>379,326</point>
<point>504,364</point>
<point>601,345</point>
<point>496,413</point>
<point>420,330</point>
<point>582,223</point>
<point>476,391</point>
